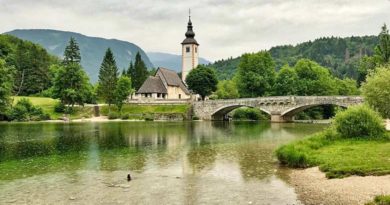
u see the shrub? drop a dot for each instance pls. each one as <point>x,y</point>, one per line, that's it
<point>59,107</point>
<point>359,122</point>
<point>195,118</point>
<point>380,200</point>
<point>125,116</point>
<point>24,110</point>
<point>149,117</point>
<point>113,115</point>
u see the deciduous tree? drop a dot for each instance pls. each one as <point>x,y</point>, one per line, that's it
<point>6,82</point>
<point>202,80</point>
<point>376,90</point>
<point>256,74</point>
<point>122,91</point>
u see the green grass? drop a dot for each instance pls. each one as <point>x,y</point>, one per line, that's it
<point>381,200</point>
<point>47,104</point>
<point>143,109</point>
<point>338,157</point>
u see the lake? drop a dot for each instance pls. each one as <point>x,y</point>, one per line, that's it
<point>169,162</point>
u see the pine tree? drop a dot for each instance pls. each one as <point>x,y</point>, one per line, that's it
<point>130,71</point>
<point>108,77</point>
<point>72,52</point>
<point>140,72</point>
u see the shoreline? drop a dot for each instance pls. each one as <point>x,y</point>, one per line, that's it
<point>312,187</point>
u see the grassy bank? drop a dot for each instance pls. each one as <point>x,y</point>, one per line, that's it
<point>48,104</point>
<point>135,111</point>
<point>356,144</point>
<point>380,200</point>
<point>338,158</point>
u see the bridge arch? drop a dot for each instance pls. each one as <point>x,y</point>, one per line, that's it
<point>221,112</point>
<point>289,113</point>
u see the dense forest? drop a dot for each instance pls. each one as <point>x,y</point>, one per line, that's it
<point>31,62</point>
<point>340,55</point>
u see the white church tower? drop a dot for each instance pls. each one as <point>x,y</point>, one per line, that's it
<point>189,51</point>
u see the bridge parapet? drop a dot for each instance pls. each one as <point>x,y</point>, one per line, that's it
<point>281,108</point>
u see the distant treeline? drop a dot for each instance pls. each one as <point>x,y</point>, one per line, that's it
<point>340,55</point>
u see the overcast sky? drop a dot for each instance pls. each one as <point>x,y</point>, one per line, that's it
<point>223,28</point>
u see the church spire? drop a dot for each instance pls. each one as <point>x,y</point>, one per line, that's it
<point>190,34</point>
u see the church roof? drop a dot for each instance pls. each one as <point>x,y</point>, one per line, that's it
<point>153,84</point>
<point>171,78</point>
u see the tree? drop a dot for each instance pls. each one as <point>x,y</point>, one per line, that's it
<point>202,80</point>
<point>347,86</point>
<point>130,71</point>
<point>122,91</point>
<point>256,74</point>
<point>6,82</point>
<point>314,79</point>
<point>286,82</point>
<point>140,72</point>
<point>383,48</point>
<point>381,57</point>
<point>71,84</point>
<point>108,77</point>
<point>227,89</point>
<point>72,52</point>
<point>376,90</point>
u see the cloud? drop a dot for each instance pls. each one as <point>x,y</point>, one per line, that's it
<point>224,28</point>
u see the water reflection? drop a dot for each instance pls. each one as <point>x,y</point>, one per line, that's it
<point>206,148</point>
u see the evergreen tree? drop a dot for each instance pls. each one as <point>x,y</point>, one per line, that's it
<point>140,72</point>
<point>72,52</point>
<point>130,71</point>
<point>108,77</point>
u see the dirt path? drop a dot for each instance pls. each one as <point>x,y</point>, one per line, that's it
<point>313,187</point>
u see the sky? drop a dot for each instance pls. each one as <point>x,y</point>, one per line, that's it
<point>223,28</point>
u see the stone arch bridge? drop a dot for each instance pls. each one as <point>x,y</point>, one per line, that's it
<point>281,109</point>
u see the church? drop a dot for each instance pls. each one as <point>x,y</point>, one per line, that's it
<point>166,84</point>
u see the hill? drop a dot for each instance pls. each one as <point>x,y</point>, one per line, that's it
<point>340,55</point>
<point>170,61</point>
<point>92,48</point>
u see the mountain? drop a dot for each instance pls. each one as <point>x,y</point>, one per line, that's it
<point>92,48</point>
<point>170,61</point>
<point>340,55</point>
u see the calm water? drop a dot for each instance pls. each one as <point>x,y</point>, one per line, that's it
<point>170,162</point>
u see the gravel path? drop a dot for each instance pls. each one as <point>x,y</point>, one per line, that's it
<point>313,187</point>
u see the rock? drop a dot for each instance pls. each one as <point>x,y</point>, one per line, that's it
<point>72,198</point>
<point>124,186</point>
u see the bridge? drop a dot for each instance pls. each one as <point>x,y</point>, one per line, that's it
<point>281,109</point>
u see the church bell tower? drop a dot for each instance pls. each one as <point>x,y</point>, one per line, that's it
<point>190,52</point>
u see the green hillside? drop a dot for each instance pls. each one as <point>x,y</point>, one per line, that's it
<point>92,49</point>
<point>340,55</point>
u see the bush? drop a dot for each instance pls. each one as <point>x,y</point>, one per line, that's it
<point>359,122</point>
<point>24,110</point>
<point>149,117</point>
<point>59,107</point>
<point>113,115</point>
<point>195,118</point>
<point>125,116</point>
<point>248,114</point>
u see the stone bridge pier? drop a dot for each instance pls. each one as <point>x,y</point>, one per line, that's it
<point>281,109</point>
